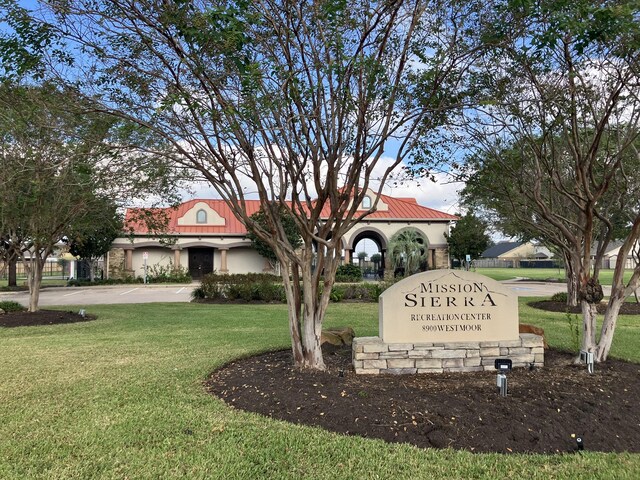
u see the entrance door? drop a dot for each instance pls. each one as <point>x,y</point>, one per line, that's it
<point>200,262</point>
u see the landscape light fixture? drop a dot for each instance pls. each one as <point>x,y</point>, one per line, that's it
<point>587,357</point>
<point>503,365</point>
<point>82,313</point>
<point>580,443</point>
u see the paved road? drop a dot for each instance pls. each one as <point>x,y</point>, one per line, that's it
<point>182,293</point>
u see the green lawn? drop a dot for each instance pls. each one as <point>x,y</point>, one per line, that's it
<point>606,276</point>
<point>122,397</point>
<point>46,282</point>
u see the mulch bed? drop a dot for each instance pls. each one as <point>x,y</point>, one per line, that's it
<point>41,317</point>
<point>542,411</point>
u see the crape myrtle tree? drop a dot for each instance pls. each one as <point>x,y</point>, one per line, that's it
<point>468,237</point>
<point>556,126</point>
<point>499,189</point>
<point>59,166</point>
<point>293,102</point>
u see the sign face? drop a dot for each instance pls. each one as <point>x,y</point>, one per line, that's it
<point>145,255</point>
<point>448,306</point>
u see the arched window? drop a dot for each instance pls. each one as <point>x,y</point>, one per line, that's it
<point>366,202</point>
<point>201,216</point>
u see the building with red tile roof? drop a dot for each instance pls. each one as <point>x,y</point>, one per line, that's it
<point>203,235</point>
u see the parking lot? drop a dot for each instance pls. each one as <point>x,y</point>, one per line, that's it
<point>106,295</point>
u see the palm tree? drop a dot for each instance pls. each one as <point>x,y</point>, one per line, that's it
<point>408,250</point>
<point>362,256</point>
<point>376,258</point>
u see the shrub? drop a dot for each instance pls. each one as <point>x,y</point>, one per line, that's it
<point>261,287</point>
<point>560,297</point>
<point>348,273</point>
<point>168,274</point>
<point>366,292</point>
<point>11,306</point>
<point>337,293</point>
<point>198,294</point>
<point>75,282</point>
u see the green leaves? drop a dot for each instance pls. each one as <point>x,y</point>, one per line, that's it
<point>468,237</point>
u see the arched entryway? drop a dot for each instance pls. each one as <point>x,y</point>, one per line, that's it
<point>368,239</point>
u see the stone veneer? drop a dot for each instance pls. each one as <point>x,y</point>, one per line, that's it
<point>372,356</point>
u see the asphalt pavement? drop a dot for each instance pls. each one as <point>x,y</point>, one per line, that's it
<point>137,293</point>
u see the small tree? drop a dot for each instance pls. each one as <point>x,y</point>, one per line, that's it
<point>91,240</point>
<point>557,125</point>
<point>468,237</point>
<point>376,258</point>
<point>59,166</point>
<point>362,256</point>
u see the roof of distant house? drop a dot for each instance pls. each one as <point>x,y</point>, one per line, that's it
<point>500,249</point>
<point>406,209</point>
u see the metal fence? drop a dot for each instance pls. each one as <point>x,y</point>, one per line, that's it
<point>51,269</point>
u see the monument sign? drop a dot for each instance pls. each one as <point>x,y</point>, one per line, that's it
<point>448,306</point>
<point>446,321</point>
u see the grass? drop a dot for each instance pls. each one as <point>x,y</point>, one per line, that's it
<point>122,397</point>
<point>46,282</point>
<point>606,276</point>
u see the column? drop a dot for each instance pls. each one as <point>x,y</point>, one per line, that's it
<point>128,259</point>
<point>176,259</point>
<point>223,260</point>
<point>347,256</point>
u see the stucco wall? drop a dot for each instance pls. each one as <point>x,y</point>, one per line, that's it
<point>243,260</point>
<point>157,257</point>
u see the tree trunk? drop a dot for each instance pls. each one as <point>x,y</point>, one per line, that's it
<point>571,272</point>
<point>609,326</point>
<point>92,275</point>
<point>307,304</point>
<point>34,276</point>
<point>12,262</point>
<point>589,317</point>
<point>292,294</point>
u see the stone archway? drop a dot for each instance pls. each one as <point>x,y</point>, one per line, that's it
<point>377,237</point>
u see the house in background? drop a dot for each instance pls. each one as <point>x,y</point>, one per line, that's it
<point>516,255</point>
<point>204,235</point>
<point>611,256</point>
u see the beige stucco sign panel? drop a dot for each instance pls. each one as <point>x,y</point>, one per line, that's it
<point>448,306</point>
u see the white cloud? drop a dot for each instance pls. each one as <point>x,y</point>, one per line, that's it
<point>441,195</point>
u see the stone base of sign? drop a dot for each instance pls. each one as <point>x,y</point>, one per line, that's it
<point>372,356</point>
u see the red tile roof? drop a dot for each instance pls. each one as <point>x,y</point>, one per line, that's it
<point>399,209</point>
